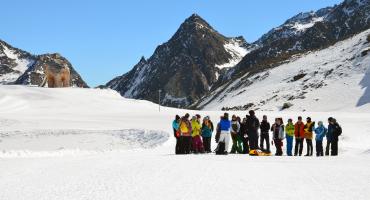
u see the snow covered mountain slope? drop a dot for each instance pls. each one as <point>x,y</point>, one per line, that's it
<point>332,79</point>
<point>72,143</point>
<point>301,34</point>
<point>20,67</point>
<point>185,67</point>
<point>13,62</point>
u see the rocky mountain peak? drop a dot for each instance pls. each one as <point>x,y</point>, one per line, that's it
<point>195,19</point>
<point>194,27</point>
<point>142,61</point>
<point>185,67</point>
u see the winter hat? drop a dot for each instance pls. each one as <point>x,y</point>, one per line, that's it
<point>251,113</point>
<point>177,117</point>
<point>198,116</point>
<point>187,115</point>
<point>194,118</point>
<point>320,123</point>
<point>226,115</point>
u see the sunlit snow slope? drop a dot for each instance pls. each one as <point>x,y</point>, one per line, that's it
<point>332,79</point>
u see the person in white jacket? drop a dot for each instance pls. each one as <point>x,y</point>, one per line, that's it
<point>235,129</point>
<point>278,135</point>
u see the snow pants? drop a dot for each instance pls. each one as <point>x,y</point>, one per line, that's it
<point>298,146</point>
<point>245,145</point>
<point>319,148</point>
<point>265,137</point>
<point>177,148</point>
<point>185,144</point>
<point>225,137</point>
<point>334,148</point>
<point>327,149</point>
<point>237,144</point>
<point>207,144</point>
<point>197,144</point>
<point>289,145</point>
<point>253,141</point>
<point>278,145</point>
<point>309,147</point>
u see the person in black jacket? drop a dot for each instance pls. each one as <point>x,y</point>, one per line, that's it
<point>253,125</point>
<point>265,127</point>
<point>336,132</point>
<point>244,135</point>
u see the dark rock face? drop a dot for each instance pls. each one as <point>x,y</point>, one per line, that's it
<point>34,75</point>
<point>20,67</point>
<point>184,68</point>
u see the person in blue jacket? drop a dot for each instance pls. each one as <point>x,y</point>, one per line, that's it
<point>175,126</point>
<point>225,125</point>
<point>320,132</point>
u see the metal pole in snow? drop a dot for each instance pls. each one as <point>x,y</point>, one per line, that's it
<point>159,100</point>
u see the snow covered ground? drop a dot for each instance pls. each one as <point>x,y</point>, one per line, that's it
<point>72,143</point>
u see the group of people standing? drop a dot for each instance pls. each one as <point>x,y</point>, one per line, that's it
<point>247,134</point>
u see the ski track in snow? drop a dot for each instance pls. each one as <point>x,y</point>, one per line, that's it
<point>76,142</point>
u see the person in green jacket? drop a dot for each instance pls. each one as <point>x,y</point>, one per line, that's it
<point>289,130</point>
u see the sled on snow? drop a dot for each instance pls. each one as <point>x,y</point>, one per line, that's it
<point>257,152</point>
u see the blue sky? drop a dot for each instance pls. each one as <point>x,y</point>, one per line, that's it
<point>103,39</point>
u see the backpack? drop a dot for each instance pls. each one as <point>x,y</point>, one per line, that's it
<point>218,132</point>
<point>311,127</point>
<point>220,149</point>
<point>339,130</point>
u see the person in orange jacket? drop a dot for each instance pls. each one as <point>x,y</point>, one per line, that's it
<point>299,134</point>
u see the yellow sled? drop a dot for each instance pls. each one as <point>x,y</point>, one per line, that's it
<point>257,152</point>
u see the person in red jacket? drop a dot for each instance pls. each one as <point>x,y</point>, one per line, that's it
<point>299,136</point>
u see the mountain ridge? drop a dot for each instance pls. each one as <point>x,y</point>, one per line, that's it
<point>18,66</point>
<point>184,68</point>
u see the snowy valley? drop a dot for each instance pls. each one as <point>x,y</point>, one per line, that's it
<point>94,144</point>
<point>116,142</point>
